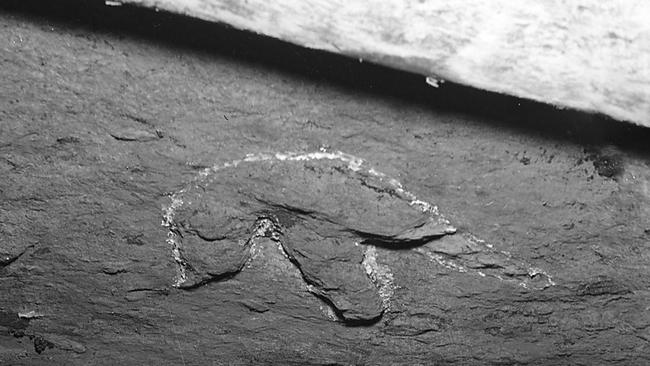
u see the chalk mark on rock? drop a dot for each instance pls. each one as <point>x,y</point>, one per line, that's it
<point>215,220</point>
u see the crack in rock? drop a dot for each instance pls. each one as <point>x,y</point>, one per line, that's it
<point>7,259</point>
<point>326,211</point>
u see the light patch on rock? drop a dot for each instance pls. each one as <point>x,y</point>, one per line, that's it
<point>380,275</point>
<point>30,315</point>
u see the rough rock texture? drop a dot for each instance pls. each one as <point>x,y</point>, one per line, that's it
<point>88,272</point>
<point>587,54</point>
<point>321,207</point>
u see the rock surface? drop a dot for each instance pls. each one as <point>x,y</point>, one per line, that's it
<point>549,264</point>
<point>322,208</point>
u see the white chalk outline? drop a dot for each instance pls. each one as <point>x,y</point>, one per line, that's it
<point>380,275</point>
